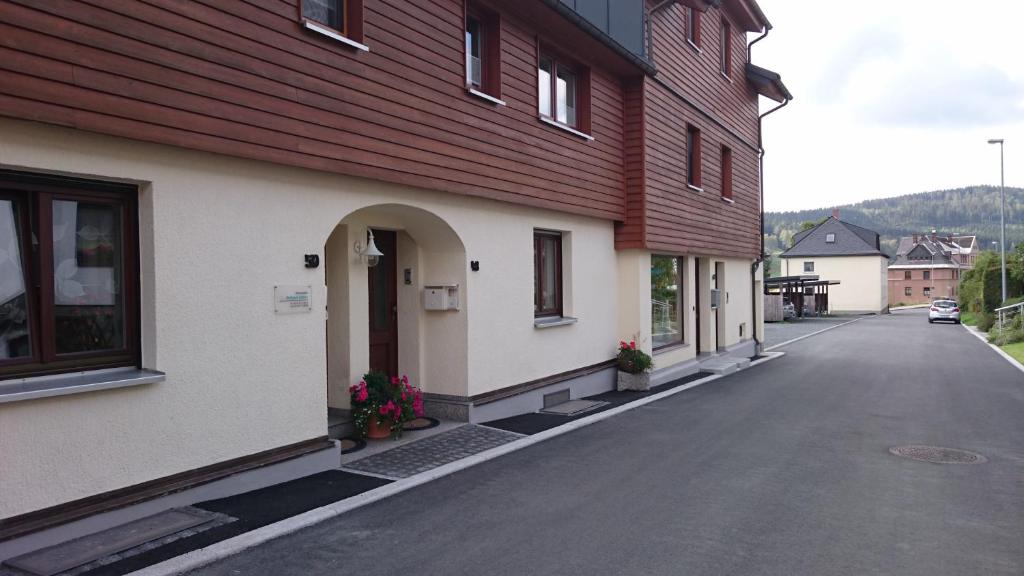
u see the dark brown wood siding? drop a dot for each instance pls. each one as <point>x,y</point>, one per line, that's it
<point>631,232</point>
<point>691,90</point>
<point>243,78</point>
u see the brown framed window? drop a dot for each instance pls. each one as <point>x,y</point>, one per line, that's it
<point>907,275</point>
<point>693,26</point>
<point>727,172</point>
<point>342,16</point>
<point>483,51</point>
<point>68,275</point>
<point>908,291</point>
<point>547,273</point>
<point>927,274</point>
<point>725,47</point>
<point>693,176</point>
<point>666,300</point>
<point>563,92</point>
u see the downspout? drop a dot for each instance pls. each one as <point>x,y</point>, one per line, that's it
<point>760,199</point>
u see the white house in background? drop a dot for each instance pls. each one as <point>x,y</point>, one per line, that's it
<point>851,254</point>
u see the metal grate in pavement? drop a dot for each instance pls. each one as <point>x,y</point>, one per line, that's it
<point>938,455</point>
<point>574,407</point>
<point>415,457</point>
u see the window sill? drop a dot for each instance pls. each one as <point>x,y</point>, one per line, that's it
<point>561,126</point>
<point>694,46</point>
<point>552,321</point>
<point>728,200</point>
<point>321,29</point>
<point>485,96</point>
<point>670,348</point>
<point>62,384</point>
<point>694,188</point>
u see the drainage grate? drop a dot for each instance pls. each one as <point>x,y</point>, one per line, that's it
<point>937,455</point>
<point>573,407</point>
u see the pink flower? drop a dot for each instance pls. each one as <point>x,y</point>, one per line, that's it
<point>632,344</point>
<point>362,395</point>
<point>394,380</point>
<point>403,395</point>
<point>405,379</point>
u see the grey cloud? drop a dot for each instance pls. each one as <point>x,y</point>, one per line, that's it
<point>945,94</point>
<point>866,46</point>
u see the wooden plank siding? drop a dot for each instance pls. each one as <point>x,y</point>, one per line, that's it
<point>243,78</point>
<point>632,232</point>
<point>691,90</point>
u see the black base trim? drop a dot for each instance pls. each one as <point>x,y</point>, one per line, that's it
<point>69,511</point>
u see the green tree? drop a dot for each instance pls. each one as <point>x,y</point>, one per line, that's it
<point>1015,269</point>
<point>807,225</point>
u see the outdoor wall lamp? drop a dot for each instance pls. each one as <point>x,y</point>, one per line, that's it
<point>370,252</point>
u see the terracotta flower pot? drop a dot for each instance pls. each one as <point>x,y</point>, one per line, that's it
<point>377,428</point>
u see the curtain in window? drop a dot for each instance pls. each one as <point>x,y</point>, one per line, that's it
<point>14,330</point>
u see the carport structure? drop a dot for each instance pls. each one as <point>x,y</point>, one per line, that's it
<point>800,289</point>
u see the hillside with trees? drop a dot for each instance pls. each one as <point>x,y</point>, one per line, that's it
<point>973,210</point>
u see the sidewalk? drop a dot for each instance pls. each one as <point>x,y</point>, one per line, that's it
<point>382,471</point>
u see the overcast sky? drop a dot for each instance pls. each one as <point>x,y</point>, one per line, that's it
<point>891,98</point>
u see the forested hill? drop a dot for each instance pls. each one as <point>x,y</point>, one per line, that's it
<point>973,210</point>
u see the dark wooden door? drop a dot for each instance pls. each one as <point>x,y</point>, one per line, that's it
<point>383,292</point>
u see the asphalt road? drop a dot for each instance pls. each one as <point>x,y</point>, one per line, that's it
<point>780,469</point>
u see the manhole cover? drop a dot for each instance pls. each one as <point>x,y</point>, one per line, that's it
<point>937,455</point>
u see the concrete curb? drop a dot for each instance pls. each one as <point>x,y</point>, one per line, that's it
<point>910,307</point>
<point>981,336</point>
<point>237,544</point>
<point>799,338</point>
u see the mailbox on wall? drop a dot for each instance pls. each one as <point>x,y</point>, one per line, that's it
<point>441,297</point>
<point>716,298</point>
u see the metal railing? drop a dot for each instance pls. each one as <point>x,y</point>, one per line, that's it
<point>1008,312</point>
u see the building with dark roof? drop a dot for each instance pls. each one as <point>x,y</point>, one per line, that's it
<point>840,251</point>
<point>928,266</point>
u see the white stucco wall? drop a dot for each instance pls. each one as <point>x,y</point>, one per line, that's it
<point>862,280</point>
<point>735,309</point>
<point>217,235</point>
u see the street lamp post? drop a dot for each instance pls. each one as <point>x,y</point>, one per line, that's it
<point>1002,208</point>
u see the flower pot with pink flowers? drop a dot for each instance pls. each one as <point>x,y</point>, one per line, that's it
<point>382,405</point>
<point>634,367</point>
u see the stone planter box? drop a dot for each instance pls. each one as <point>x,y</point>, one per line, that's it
<point>629,381</point>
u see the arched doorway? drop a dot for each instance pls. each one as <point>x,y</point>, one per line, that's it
<point>376,317</point>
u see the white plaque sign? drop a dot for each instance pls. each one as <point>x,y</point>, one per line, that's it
<point>293,299</point>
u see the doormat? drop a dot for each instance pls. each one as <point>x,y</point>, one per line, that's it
<point>573,407</point>
<point>350,445</point>
<point>88,549</point>
<point>421,423</point>
<point>536,422</point>
<point>254,510</point>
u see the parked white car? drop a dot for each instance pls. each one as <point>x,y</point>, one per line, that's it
<point>944,310</point>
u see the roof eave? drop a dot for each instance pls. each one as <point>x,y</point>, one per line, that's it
<point>767,83</point>
<point>749,15</point>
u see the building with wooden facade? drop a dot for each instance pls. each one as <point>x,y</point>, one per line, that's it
<point>188,191</point>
